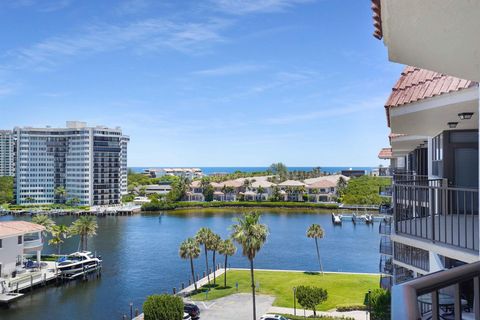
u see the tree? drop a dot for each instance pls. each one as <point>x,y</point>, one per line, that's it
<point>341,186</point>
<point>247,183</point>
<point>6,190</point>
<point>380,304</point>
<point>59,234</point>
<point>227,248</point>
<point>203,237</point>
<point>310,297</point>
<point>276,196</point>
<point>251,235</point>
<point>316,232</point>
<point>61,193</point>
<point>208,192</point>
<point>45,221</point>
<point>189,249</point>
<point>163,307</point>
<point>260,191</point>
<point>214,245</point>
<point>279,169</point>
<point>84,227</point>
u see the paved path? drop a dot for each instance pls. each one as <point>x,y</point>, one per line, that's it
<point>357,315</point>
<point>234,307</point>
<point>203,282</point>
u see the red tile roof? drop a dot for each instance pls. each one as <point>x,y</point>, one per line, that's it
<point>417,84</point>
<point>385,153</point>
<point>377,19</point>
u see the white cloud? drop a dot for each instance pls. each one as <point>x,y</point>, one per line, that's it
<point>145,35</point>
<point>332,112</point>
<point>239,7</point>
<point>227,70</point>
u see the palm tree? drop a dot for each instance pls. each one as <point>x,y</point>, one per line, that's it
<point>189,249</point>
<point>61,193</point>
<point>59,233</point>
<point>247,183</point>
<point>85,227</point>
<point>251,235</point>
<point>45,221</point>
<point>227,248</point>
<point>260,191</point>
<point>316,232</point>
<point>203,237</point>
<point>214,246</point>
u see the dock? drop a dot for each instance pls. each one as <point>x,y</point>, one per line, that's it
<point>337,219</point>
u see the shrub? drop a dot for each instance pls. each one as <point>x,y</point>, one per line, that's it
<point>156,205</point>
<point>163,307</point>
<point>380,304</point>
<point>309,297</point>
<point>359,307</point>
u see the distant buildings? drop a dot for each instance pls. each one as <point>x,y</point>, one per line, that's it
<point>189,173</point>
<point>7,153</point>
<point>86,165</point>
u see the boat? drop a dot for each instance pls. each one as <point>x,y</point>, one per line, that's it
<point>336,219</point>
<point>78,263</point>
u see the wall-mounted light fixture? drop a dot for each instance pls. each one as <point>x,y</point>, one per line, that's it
<point>452,125</point>
<point>465,115</point>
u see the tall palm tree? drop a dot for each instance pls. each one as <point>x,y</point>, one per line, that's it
<point>61,193</point>
<point>85,227</point>
<point>59,233</point>
<point>214,246</point>
<point>189,249</point>
<point>251,235</point>
<point>260,191</point>
<point>203,237</point>
<point>316,232</point>
<point>45,221</point>
<point>227,248</point>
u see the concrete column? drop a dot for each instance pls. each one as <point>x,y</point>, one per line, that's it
<point>39,254</point>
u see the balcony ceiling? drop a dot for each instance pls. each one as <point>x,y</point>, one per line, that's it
<point>440,35</point>
<point>404,144</point>
<point>431,116</point>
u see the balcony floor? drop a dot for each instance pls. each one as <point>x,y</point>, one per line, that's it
<point>453,229</point>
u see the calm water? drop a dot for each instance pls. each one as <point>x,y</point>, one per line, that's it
<point>210,170</point>
<point>140,255</point>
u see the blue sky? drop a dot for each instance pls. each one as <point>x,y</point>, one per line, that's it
<point>204,83</point>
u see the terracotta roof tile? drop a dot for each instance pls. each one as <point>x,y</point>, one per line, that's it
<point>385,153</point>
<point>417,84</point>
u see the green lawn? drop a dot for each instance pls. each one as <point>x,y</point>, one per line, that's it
<point>343,289</point>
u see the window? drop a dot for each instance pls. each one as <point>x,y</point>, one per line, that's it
<point>437,155</point>
<point>1,244</point>
<point>20,239</point>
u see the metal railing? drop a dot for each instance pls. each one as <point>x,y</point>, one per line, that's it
<point>385,226</point>
<point>386,246</point>
<point>431,211</point>
<point>405,297</point>
<point>385,191</point>
<point>413,256</point>
<point>385,266</point>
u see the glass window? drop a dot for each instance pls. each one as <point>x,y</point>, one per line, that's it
<point>20,239</point>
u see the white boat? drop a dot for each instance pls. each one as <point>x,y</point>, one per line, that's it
<point>78,263</point>
<point>336,219</point>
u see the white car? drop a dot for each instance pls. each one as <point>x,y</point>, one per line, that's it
<point>186,316</point>
<point>273,317</point>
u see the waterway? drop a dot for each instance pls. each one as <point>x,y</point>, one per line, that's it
<point>140,257</point>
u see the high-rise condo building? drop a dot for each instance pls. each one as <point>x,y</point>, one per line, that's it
<point>79,164</point>
<point>7,153</point>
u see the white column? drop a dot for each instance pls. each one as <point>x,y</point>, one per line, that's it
<point>39,253</point>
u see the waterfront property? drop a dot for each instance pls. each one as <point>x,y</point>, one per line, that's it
<point>189,173</point>
<point>18,238</point>
<point>431,250</point>
<point>88,165</point>
<point>261,188</point>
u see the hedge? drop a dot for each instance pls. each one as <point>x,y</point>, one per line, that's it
<point>163,307</point>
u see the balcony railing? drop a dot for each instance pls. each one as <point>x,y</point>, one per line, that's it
<point>412,256</point>
<point>386,265</point>
<point>408,297</point>
<point>386,246</point>
<point>385,226</point>
<point>426,209</point>
<point>385,191</point>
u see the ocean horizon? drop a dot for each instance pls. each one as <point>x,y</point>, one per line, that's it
<point>212,170</point>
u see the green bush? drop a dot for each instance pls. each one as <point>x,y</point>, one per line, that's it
<point>365,190</point>
<point>380,304</point>
<point>156,205</point>
<point>359,307</point>
<point>6,190</point>
<point>292,317</point>
<point>163,307</point>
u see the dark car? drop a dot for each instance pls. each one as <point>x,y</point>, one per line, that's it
<point>192,310</point>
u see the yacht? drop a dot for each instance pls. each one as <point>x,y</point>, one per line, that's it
<point>78,263</point>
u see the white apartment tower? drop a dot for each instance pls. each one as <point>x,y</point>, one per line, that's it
<point>89,163</point>
<point>7,153</point>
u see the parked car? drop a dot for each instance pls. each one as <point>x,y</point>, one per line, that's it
<point>273,317</point>
<point>186,316</point>
<point>192,310</point>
